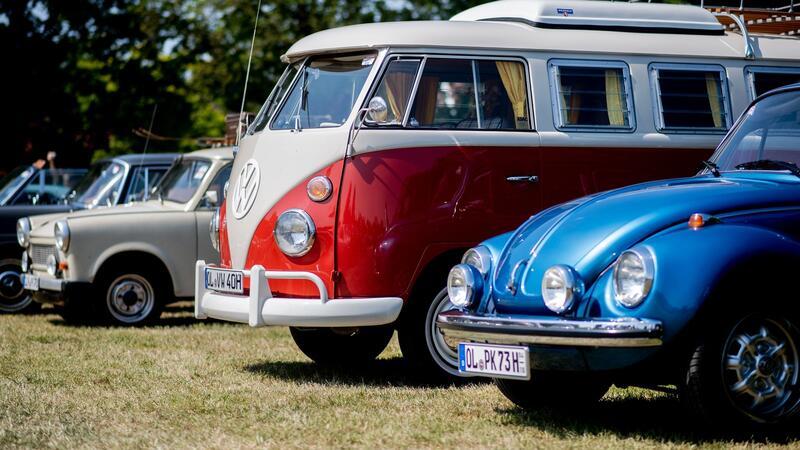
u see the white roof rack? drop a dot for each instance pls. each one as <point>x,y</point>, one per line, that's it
<point>600,15</point>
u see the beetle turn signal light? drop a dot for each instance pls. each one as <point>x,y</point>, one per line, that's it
<point>698,220</point>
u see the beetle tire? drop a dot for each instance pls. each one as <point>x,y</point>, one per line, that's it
<point>705,393</point>
<point>554,390</point>
<point>334,347</point>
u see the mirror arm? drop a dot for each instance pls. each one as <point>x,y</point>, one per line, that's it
<point>355,127</point>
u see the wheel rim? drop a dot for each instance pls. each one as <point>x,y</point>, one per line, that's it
<point>12,295</point>
<point>444,350</point>
<point>760,369</point>
<point>130,298</point>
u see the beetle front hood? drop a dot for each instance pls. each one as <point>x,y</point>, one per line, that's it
<point>590,233</point>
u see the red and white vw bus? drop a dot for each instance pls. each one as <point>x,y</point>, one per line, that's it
<point>386,150</point>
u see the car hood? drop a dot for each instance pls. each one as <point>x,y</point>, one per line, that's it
<point>42,226</point>
<point>590,233</point>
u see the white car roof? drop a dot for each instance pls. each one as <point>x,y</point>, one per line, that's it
<point>213,153</point>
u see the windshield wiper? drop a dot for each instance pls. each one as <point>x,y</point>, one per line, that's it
<point>713,168</point>
<point>770,163</point>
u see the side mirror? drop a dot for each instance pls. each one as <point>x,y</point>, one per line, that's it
<point>211,199</point>
<point>377,111</point>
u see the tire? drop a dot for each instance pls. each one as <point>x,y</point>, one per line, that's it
<point>342,346</point>
<point>131,297</point>
<point>14,299</point>
<point>423,345</point>
<point>554,390</point>
<point>746,373</point>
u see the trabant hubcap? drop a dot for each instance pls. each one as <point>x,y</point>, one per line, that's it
<point>12,295</point>
<point>130,298</point>
<point>760,369</point>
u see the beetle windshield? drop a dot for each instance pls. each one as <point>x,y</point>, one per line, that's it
<point>101,186</point>
<point>183,179</point>
<point>768,137</point>
<point>12,182</point>
<point>324,92</point>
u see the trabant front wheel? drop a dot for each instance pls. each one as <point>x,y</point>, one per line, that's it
<point>131,298</point>
<point>342,346</point>
<point>14,299</point>
<point>746,372</point>
<point>555,390</point>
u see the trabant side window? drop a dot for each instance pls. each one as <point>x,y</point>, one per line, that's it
<point>274,99</point>
<point>324,92</point>
<point>471,94</point>
<point>765,79</point>
<point>691,98</point>
<point>591,95</point>
<point>396,87</point>
<point>143,182</point>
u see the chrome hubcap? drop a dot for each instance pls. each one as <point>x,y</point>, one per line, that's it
<point>761,369</point>
<point>130,298</point>
<point>446,348</point>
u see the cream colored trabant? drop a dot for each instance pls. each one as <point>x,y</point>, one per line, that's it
<point>123,264</point>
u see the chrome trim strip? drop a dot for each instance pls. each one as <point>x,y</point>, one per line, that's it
<point>599,332</point>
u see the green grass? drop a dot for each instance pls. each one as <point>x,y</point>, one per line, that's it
<point>208,384</point>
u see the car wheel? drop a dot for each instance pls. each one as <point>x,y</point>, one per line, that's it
<point>131,298</point>
<point>556,390</point>
<point>13,298</point>
<point>746,373</point>
<point>423,345</point>
<point>342,346</point>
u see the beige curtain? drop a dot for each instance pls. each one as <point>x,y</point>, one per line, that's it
<point>574,108</point>
<point>398,90</point>
<point>712,86</point>
<point>614,99</point>
<point>513,76</point>
<point>427,91</point>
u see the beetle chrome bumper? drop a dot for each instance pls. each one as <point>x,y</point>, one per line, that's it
<point>595,332</point>
<point>260,308</point>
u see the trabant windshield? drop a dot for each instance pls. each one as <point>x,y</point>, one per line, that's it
<point>325,91</point>
<point>767,138</point>
<point>101,186</point>
<point>183,179</point>
<point>12,182</point>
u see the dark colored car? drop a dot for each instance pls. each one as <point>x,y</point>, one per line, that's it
<point>29,185</point>
<point>682,282</point>
<point>111,181</point>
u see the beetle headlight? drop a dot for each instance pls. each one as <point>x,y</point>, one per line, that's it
<point>464,284</point>
<point>479,258</point>
<point>62,235</point>
<point>23,231</point>
<point>633,277</point>
<point>295,232</point>
<point>561,287</point>
<point>213,229</point>
<point>52,265</point>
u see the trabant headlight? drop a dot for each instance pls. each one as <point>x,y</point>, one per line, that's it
<point>23,232</point>
<point>464,285</point>
<point>213,229</point>
<point>633,277</point>
<point>479,258</point>
<point>62,235</point>
<point>295,232</point>
<point>52,265</point>
<point>25,263</point>
<point>561,288</point>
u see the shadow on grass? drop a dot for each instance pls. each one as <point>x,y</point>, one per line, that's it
<point>174,315</point>
<point>393,372</point>
<point>661,419</point>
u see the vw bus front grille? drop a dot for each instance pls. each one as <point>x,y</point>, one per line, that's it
<point>39,254</point>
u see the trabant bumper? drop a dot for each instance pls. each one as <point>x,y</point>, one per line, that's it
<point>555,331</point>
<point>260,308</point>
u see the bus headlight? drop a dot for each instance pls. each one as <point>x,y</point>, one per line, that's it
<point>561,287</point>
<point>464,285</point>
<point>295,232</point>
<point>480,258</point>
<point>633,277</point>
<point>62,235</point>
<point>213,229</point>
<point>23,231</point>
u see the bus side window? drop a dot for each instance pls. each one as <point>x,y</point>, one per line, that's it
<point>396,87</point>
<point>765,79</point>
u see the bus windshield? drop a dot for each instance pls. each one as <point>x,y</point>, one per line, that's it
<point>324,92</point>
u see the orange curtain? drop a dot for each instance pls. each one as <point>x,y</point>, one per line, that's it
<point>398,91</point>
<point>512,75</point>
<point>427,92</point>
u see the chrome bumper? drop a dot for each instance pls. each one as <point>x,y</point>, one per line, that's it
<point>595,332</point>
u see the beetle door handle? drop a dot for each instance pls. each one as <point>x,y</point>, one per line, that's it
<point>523,179</point>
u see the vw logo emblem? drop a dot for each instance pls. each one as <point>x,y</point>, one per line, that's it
<point>244,194</point>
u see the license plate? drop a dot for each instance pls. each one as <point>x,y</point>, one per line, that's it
<point>30,282</point>
<point>222,280</point>
<point>497,361</point>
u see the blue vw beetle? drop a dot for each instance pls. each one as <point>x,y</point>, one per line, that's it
<point>683,282</point>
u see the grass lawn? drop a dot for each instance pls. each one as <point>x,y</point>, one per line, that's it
<point>209,384</point>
